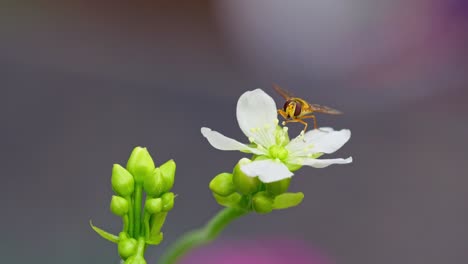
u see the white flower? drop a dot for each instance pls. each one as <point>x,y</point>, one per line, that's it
<point>257,118</point>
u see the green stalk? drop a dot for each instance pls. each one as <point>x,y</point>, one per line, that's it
<point>201,236</point>
<point>137,222</point>
<point>141,247</point>
<point>125,223</point>
<point>146,219</point>
<point>130,216</point>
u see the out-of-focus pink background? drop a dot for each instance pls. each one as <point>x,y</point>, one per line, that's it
<point>276,250</point>
<point>83,82</point>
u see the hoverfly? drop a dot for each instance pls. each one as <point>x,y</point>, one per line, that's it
<point>296,109</point>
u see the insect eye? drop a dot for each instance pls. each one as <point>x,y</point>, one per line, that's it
<point>286,104</point>
<point>297,109</point>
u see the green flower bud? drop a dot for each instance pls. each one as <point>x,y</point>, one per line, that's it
<point>135,260</point>
<point>287,200</point>
<point>154,184</point>
<point>232,201</point>
<point>262,203</point>
<point>168,170</point>
<point>154,205</point>
<point>243,183</point>
<point>222,184</point>
<point>140,164</point>
<point>278,187</point>
<point>127,247</point>
<point>168,201</point>
<point>119,205</point>
<point>122,181</point>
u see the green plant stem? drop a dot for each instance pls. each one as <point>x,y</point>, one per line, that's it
<point>137,222</point>
<point>201,236</point>
<point>141,247</point>
<point>146,219</point>
<point>125,223</point>
<point>130,215</point>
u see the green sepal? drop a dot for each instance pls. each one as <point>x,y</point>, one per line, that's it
<point>262,202</point>
<point>293,167</point>
<point>278,187</point>
<point>231,201</point>
<point>156,223</point>
<point>287,200</point>
<point>104,234</point>
<point>155,240</point>
<point>222,184</point>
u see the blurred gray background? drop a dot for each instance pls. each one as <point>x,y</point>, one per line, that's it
<point>83,82</point>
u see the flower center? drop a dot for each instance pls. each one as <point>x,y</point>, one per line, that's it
<point>281,136</point>
<point>278,152</point>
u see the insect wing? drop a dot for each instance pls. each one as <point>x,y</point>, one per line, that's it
<point>285,94</point>
<point>324,109</point>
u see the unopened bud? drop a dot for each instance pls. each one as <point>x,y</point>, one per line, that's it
<point>140,164</point>
<point>243,183</point>
<point>262,203</point>
<point>122,181</point>
<point>278,187</point>
<point>127,247</point>
<point>232,201</point>
<point>154,205</point>
<point>154,184</point>
<point>222,184</point>
<point>168,170</point>
<point>119,205</point>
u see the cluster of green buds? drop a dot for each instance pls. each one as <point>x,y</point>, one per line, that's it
<point>237,190</point>
<point>141,226</point>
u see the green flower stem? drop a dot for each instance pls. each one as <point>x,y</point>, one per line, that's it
<point>130,215</point>
<point>125,223</point>
<point>201,236</point>
<point>146,220</point>
<point>141,247</point>
<point>138,197</point>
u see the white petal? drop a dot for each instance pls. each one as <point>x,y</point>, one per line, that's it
<point>267,170</point>
<point>322,163</point>
<point>221,142</point>
<point>257,116</point>
<point>322,140</point>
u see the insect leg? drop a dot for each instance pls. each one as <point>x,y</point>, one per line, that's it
<point>311,116</point>
<point>300,121</point>
<point>283,113</point>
